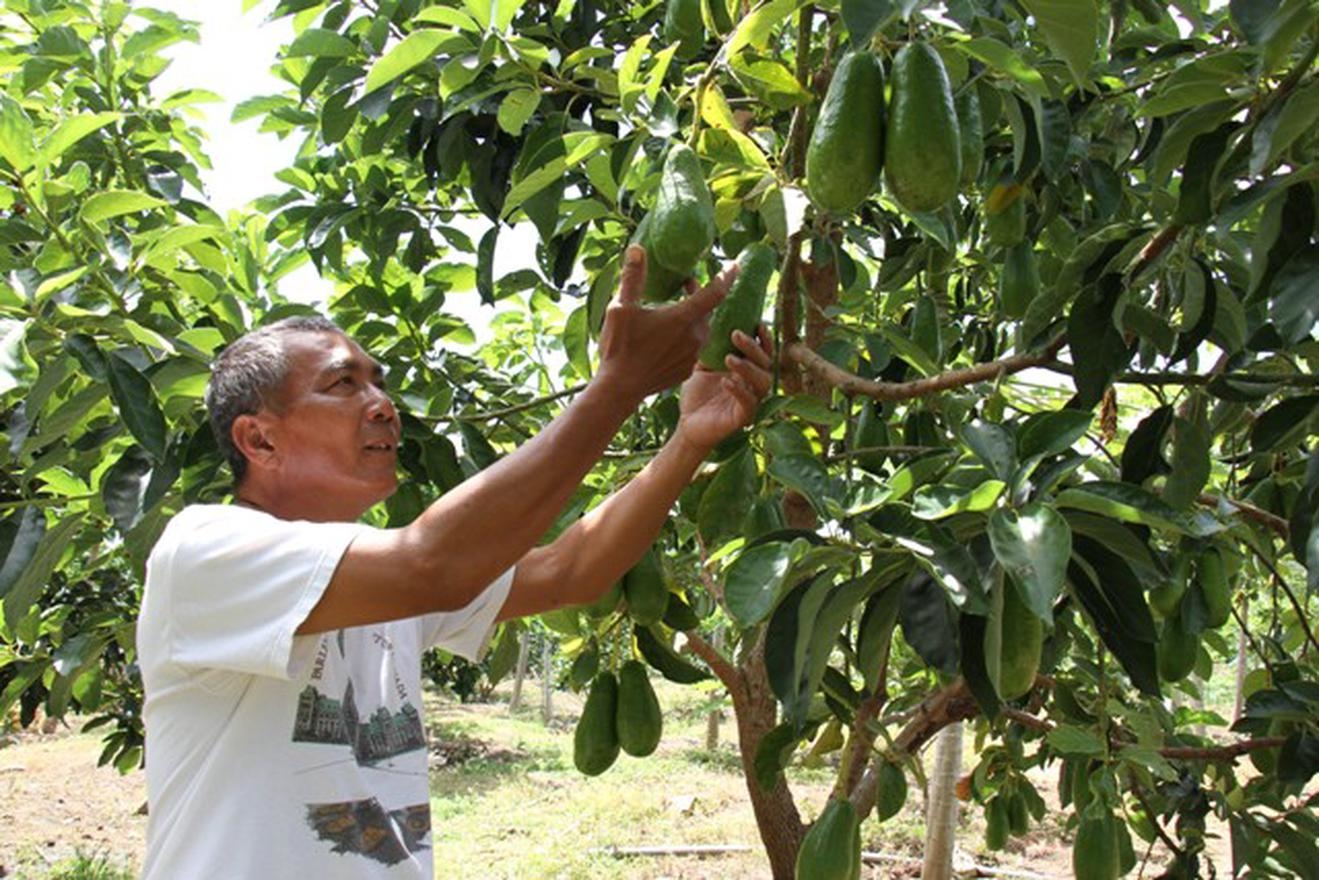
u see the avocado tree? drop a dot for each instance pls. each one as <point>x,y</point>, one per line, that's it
<point>1044,309</point>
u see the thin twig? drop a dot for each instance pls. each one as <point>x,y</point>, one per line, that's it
<point>1303,618</point>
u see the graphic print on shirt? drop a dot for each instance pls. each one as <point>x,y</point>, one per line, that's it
<point>329,713</point>
<point>365,828</point>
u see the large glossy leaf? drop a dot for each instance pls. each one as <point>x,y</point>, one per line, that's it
<point>1284,423</point>
<point>863,17</point>
<point>17,140</point>
<point>807,475</point>
<point>1051,433</point>
<point>1294,297</point>
<point>124,486</point>
<point>72,130</point>
<point>136,400</point>
<point>1071,28</point>
<point>993,445</point>
<point>753,583</point>
<point>929,623</point>
<point>414,49</point>
<point>1137,657</point>
<point>1190,461</point>
<point>938,502</point>
<point>1132,504</point>
<point>1098,346</point>
<point>731,494</point>
<point>32,581</point>
<point>114,203</point>
<point>20,535</point>
<point>1033,546</point>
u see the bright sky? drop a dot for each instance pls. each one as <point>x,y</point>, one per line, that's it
<point>234,59</point>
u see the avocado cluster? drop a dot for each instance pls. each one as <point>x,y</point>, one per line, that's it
<point>924,146</point>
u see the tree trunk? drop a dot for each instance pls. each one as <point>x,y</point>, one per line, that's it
<point>1242,645</point>
<point>546,680</point>
<point>941,813</point>
<point>524,649</point>
<point>777,819</point>
<point>716,715</point>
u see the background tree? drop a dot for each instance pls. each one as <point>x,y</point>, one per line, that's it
<point>1033,448</point>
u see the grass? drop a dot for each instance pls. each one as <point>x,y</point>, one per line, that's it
<point>517,808</point>
<point>86,866</point>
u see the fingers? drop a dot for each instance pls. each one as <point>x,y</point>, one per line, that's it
<point>633,280</point>
<point>699,303</point>
<point>755,351</point>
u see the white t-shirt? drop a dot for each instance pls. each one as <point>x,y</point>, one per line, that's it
<point>271,755</point>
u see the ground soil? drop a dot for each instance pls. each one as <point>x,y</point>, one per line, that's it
<point>55,803</point>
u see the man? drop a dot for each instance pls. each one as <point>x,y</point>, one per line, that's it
<point>281,641</point>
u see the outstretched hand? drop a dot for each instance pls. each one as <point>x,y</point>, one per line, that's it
<point>643,349</point>
<point>715,404</point>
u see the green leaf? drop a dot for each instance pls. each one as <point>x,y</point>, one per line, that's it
<point>1131,504</point>
<point>114,203</point>
<point>993,445</point>
<point>771,82</point>
<point>485,265</point>
<point>1283,424</point>
<point>1000,56</point>
<point>730,494</point>
<point>30,584</point>
<point>938,502</point>
<point>1137,655</point>
<point>1068,739</point>
<point>136,400</point>
<point>448,15</point>
<point>23,539</point>
<point>864,17</point>
<point>18,145</point>
<point>1253,17</point>
<point>1195,199</point>
<point>774,753</point>
<point>1192,442</point>
<point>1099,349</point>
<point>1071,28</point>
<point>1294,120</point>
<point>806,474</point>
<point>124,486</point>
<point>578,147</point>
<point>72,130</point>
<point>753,583</point>
<point>929,623</point>
<point>1033,546</point>
<point>755,28</point>
<point>516,108</point>
<point>1294,296</point>
<point>414,49</point>
<point>321,43</point>
<point>1050,433</point>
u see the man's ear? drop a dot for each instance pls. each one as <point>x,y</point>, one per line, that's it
<point>251,437</point>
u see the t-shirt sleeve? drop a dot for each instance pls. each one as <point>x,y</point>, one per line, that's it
<point>240,584</point>
<point>466,631</point>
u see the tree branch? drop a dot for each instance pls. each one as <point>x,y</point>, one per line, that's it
<point>726,672</point>
<point>943,707</point>
<point>850,383</point>
<point>1227,752</point>
<point>1249,511</point>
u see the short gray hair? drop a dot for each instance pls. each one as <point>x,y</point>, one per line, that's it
<point>246,376</point>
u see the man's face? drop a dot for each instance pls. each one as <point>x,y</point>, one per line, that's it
<point>333,427</point>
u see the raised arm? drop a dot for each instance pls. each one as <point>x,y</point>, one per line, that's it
<point>595,551</point>
<point>463,541</point>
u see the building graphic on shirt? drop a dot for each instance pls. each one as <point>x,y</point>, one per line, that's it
<point>378,737</point>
